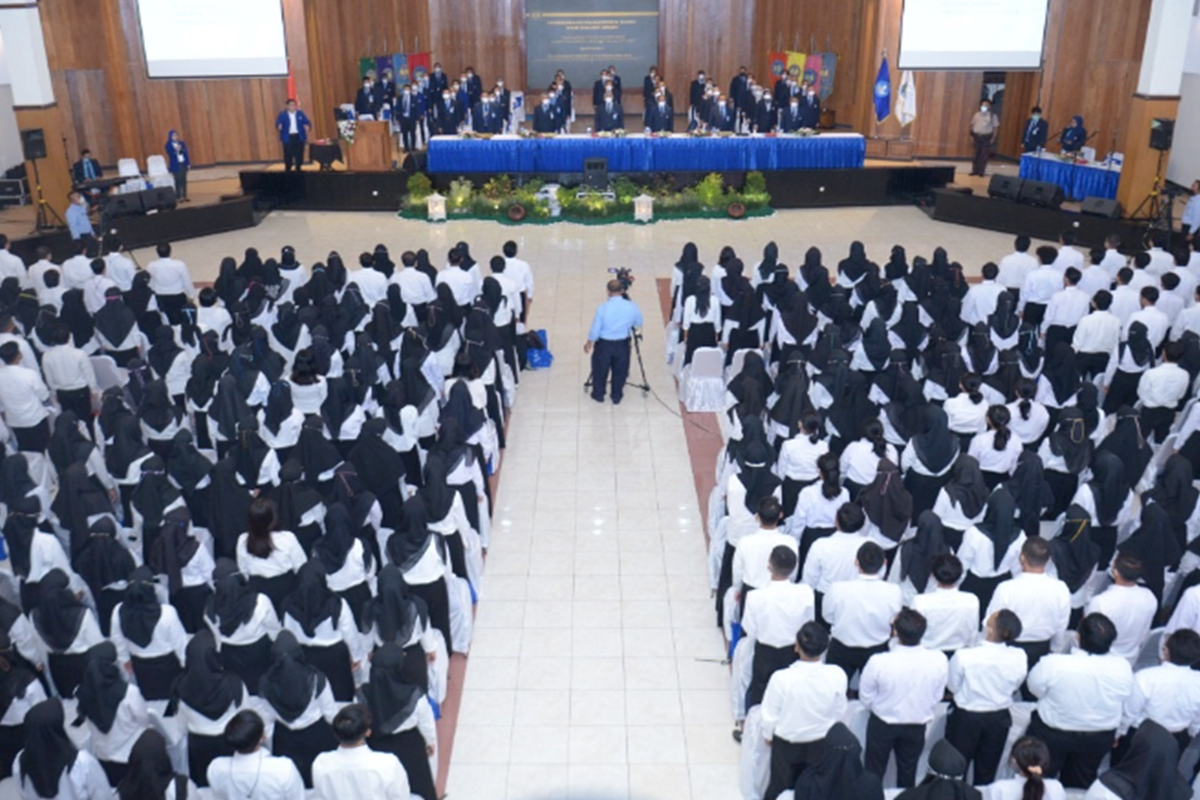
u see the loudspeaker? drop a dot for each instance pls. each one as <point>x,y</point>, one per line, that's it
<point>1162,132</point>
<point>158,199</point>
<point>1102,207</point>
<point>33,142</point>
<point>123,205</point>
<point>595,173</point>
<point>1006,186</point>
<point>1040,193</point>
<point>413,163</point>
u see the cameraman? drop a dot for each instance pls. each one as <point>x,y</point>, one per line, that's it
<point>608,341</point>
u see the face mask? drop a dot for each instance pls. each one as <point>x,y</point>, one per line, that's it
<point>608,99</point>
<point>721,104</point>
<point>1036,117</point>
<point>407,93</point>
<point>500,84</point>
<point>702,78</point>
<point>446,97</point>
<point>546,102</point>
<point>984,109</point>
<point>795,106</point>
<point>811,93</point>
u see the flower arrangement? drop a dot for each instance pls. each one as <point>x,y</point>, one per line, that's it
<point>346,128</point>
<point>619,133</point>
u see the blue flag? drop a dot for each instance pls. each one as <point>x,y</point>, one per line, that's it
<point>883,92</point>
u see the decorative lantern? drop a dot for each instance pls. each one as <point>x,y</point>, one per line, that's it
<point>437,207</point>
<point>643,208</point>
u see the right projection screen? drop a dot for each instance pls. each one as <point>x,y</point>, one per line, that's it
<point>973,34</point>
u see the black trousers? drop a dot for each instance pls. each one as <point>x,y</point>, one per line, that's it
<point>983,149</point>
<point>767,661</point>
<point>181,183</point>
<point>172,306</point>
<point>79,401</point>
<point>35,439</point>
<point>980,736</point>
<point>1034,652</point>
<point>1056,334</point>
<point>788,760</point>
<point>1075,756</point>
<point>1157,421</point>
<point>906,740</point>
<point>851,659</point>
<point>610,356</point>
<point>1091,364</point>
<point>408,134</point>
<point>293,152</point>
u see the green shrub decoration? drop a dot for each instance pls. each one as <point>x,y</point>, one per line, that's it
<point>419,187</point>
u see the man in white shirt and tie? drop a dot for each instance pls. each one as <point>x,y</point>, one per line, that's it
<point>1131,607</point>
<point>1042,603</point>
<point>520,273</point>
<point>1161,389</point>
<point>355,770</point>
<point>1039,286</point>
<point>951,615</point>
<point>1080,699</point>
<point>1066,307</point>
<point>983,679</point>
<point>1168,694</point>
<point>773,613</point>
<point>171,283</point>
<point>252,772</point>
<point>902,689</point>
<point>801,704</point>
<point>980,302</point>
<point>860,612</point>
<point>1016,265</point>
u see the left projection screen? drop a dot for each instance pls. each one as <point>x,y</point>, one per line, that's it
<point>213,38</point>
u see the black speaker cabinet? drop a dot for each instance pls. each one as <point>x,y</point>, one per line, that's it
<point>123,205</point>
<point>1162,132</point>
<point>33,142</point>
<point>1101,207</point>
<point>1006,186</point>
<point>160,198</point>
<point>1040,193</point>
<point>595,173</point>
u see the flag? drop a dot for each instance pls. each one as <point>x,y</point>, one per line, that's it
<point>400,69</point>
<point>812,71</point>
<point>883,92</point>
<point>419,66</point>
<point>382,63</point>
<point>778,64</point>
<point>795,64</point>
<point>365,64</point>
<point>828,72</point>
<point>906,109</point>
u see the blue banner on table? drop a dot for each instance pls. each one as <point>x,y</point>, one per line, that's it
<point>1078,181</point>
<point>828,73</point>
<point>883,92</point>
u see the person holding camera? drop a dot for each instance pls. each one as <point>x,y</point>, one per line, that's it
<point>608,341</point>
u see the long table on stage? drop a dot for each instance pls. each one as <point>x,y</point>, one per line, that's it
<point>639,153</point>
<point>1078,181</point>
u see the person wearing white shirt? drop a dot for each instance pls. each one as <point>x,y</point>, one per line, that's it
<point>1126,298</point>
<point>798,459</point>
<point>997,450</point>
<point>24,397</point>
<point>1169,301</point>
<point>902,689</point>
<point>1131,607</point>
<point>799,707</point>
<point>1186,613</point>
<point>97,284</point>
<point>1188,320</point>
<point>983,680</point>
<point>1066,307</point>
<point>1042,603</point>
<point>51,766</point>
<point>10,265</point>
<point>860,459</point>
<point>1068,256</point>
<point>121,268</point>
<point>462,282</point>
<point>520,273</point>
<point>78,268</point>
<point>1156,322</point>
<point>1169,693</point>
<point>817,508</point>
<point>171,283</point>
<point>1141,278</point>
<point>155,656</point>
<point>272,556</point>
<point>39,268</point>
<point>1096,336</point>
<point>750,557</point>
<point>860,612</point>
<point>1016,265</point>
<point>355,770</point>
<point>1113,261</point>
<point>1028,419</point>
<point>1040,285</point>
<point>1161,261</point>
<point>831,558</point>
<point>951,615</point>
<point>966,411</point>
<point>252,772</point>
<point>980,302</point>
<point>416,289</point>
<point>1080,699</point>
<point>69,374</point>
<point>212,317</point>
<point>1160,390</point>
<point>371,281</point>
<point>1030,759</point>
<point>1094,277</point>
<point>773,614</point>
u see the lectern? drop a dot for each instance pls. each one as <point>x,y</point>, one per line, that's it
<point>372,148</point>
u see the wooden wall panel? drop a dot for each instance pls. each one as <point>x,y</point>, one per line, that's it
<point>80,94</point>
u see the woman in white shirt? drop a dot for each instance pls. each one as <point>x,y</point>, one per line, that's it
<point>419,555</point>
<point>927,460</point>
<point>280,421</point>
<point>701,319</point>
<point>860,459</point>
<point>1031,760</point>
<point>991,550</point>
<point>171,363</point>
<point>1108,498</point>
<point>67,629</point>
<point>298,699</point>
<point>962,501</point>
<point>1135,356</point>
<point>966,412</point>
<point>402,719</point>
<point>817,506</point>
<point>51,767</point>
<point>326,629</point>
<point>149,637</point>
<point>203,701</point>
<point>270,558</point>
<point>798,456</point>
<point>997,450</point>
<point>309,388</point>
<point>115,712</point>
<point>397,616</point>
<point>244,624</point>
<point>1029,418</point>
<point>187,566</point>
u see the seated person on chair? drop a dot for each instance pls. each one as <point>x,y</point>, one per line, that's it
<point>609,114</point>
<point>1074,137</point>
<point>486,116</point>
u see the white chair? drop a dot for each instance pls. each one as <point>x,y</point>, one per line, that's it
<point>128,168</point>
<point>108,374</point>
<point>703,382</point>
<point>738,361</point>
<point>157,173</point>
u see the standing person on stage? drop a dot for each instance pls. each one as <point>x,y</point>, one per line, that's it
<point>485,116</point>
<point>609,114</point>
<point>602,85</point>
<point>293,125</point>
<point>503,99</point>
<point>408,112</point>
<point>722,116</point>
<point>545,117</point>
<point>983,130</point>
<point>810,109</point>
<point>178,162</point>
<point>365,102</point>
<point>1036,131</point>
<point>790,120</point>
<point>766,115</point>
<point>446,116</point>
<point>1190,220</point>
<point>616,81</point>
<point>696,96</point>
<point>608,341</point>
<point>566,97</point>
<point>649,84</point>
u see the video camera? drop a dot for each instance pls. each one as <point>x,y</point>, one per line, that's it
<point>624,276</point>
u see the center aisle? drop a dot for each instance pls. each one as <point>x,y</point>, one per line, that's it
<point>595,669</point>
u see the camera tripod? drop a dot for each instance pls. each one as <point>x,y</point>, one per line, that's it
<point>636,335</point>
<point>1158,209</point>
<point>46,216</point>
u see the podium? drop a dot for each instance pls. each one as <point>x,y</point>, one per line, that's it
<point>372,148</point>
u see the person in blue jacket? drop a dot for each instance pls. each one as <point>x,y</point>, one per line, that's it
<point>178,162</point>
<point>1074,137</point>
<point>293,125</point>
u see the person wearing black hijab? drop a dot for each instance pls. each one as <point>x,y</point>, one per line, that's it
<point>316,453</point>
<point>105,565</point>
<point>124,457</point>
<point>839,774</point>
<point>205,697</point>
<point>1175,490</point>
<point>1128,443</point>
<point>187,567</point>
<point>917,553</point>
<point>299,697</point>
<point>397,616</point>
<point>745,489</point>
<point>419,555</point>
<point>1154,544</point>
<point>991,547</point>
<point>149,637</point>
<point>67,629</point>
<point>150,775</point>
<point>152,499</point>
<point>50,757</point>
<point>1065,454</point>
<point>926,463</point>
<point>381,470</point>
<point>1075,554</point>
<point>20,690</point>
<point>1031,492</point>
<point>855,267</point>
<point>114,710</point>
<point>888,506</point>
<point>1135,356</point>
<point>946,779</point>
<point>190,471</point>
<point>465,474</point>
<point>1148,771</point>
<point>228,505</point>
<point>257,464</point>
<point>299,507</point>
<point>244,622</point>
<point>701,319</point>
<point>961,502</point>
<point>402,719</point>
<point>326,629</point>
<point>1108,499</point>
<point>116,329</point>
<point>279,421</point>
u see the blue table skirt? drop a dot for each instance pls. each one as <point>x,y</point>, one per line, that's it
<point>642,154</point>
<point>1077,180</point>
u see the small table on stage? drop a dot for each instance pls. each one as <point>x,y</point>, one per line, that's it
<point>639,153</point>
<point>325,153</point>
<point>372,148</point>
<point>1078,180</point>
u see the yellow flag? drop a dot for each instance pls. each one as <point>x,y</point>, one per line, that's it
<point>795,64</point>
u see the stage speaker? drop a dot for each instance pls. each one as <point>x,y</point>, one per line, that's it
<point>1006,186</point>
<point>33,142</point>
<point>160,198</point>
<point>1040,193</point>
<point>1162,132</point>
<point>123,205</point>
<point>1102,207</point>
<point>413,163</point>
<point>595,173</point>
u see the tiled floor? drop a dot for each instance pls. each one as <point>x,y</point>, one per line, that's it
<point>596,668</point>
